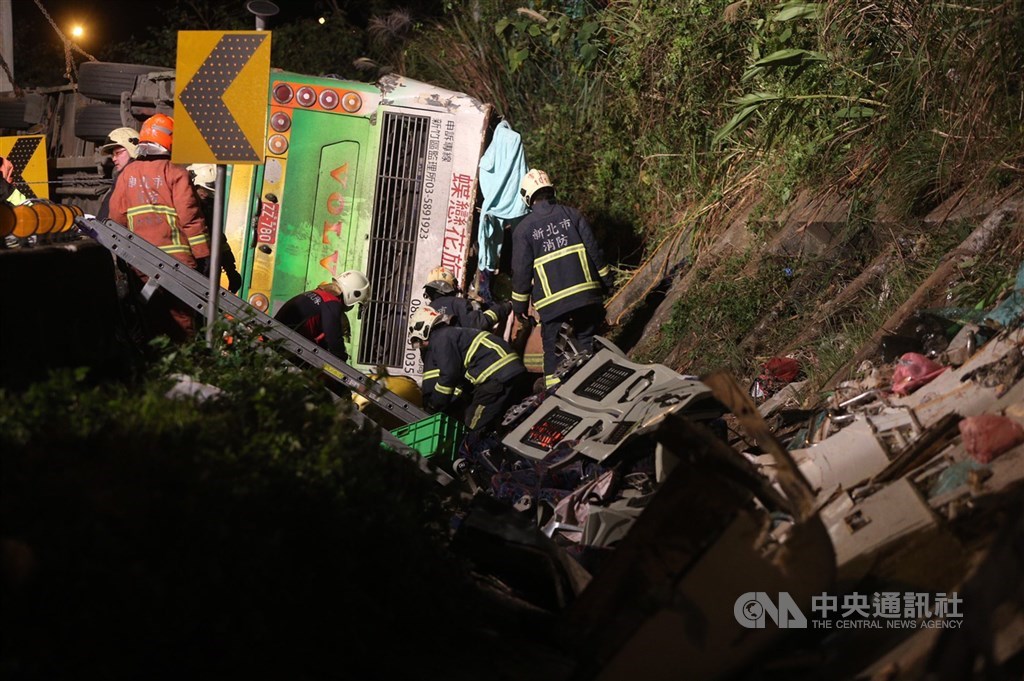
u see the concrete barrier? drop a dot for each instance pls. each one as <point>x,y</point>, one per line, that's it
<point>60,309</point>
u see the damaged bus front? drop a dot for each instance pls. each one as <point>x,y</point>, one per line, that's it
<point>377,178</point>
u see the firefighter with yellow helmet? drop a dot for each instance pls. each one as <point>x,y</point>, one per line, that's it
<point>557,263</point>
<point>442,292</point>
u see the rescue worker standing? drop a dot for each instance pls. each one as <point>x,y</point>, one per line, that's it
<point>204,176</point>
<point>557,262</point>
<point>153,198</point>
<point>319,315</point>
<point>455,356</point>
<point>122,146</point>
<point>443,294</point>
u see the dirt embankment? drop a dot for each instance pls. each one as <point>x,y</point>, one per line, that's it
<point>850,276</point>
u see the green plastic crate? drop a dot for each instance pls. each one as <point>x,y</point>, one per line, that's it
<point>438,435</point>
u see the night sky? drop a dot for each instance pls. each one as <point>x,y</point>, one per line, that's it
<point>120,19</point>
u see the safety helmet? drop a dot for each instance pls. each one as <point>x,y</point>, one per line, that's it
<point>122,137</point>
<point>159,130</point>
<point>441,280</point>
<point>532,181</point>
<point>422,321</point>
<point>204,175</point>
<point>355,287</point>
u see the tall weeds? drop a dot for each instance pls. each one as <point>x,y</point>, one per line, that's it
<point>667,118</point>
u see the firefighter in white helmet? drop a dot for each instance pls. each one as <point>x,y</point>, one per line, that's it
<point>320,314</point>
<point>204,178</point>
<point>557,263</point>
<point>466,363</point>
<point>442,291</point>
<point>122,146</point>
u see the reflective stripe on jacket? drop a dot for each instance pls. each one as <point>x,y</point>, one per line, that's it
<point>154,199</point>
<point>457,354</point>
<point>556,261</point>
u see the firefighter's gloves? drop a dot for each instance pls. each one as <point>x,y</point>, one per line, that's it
<point>608,281</point>
<point>203,266</point>
<point>234,279</point>
<point>523,318</point>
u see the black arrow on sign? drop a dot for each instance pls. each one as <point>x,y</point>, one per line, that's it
<point>203,97</point>
<point>21,154</point>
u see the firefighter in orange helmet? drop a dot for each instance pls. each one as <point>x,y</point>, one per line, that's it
<point>154,199</point>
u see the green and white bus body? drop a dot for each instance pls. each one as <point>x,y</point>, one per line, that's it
<point>378,178</point>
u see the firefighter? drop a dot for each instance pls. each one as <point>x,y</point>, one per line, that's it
<point>121,146</point>
<point>455,357</point>
<point>204,176</point>
<point>319,315</point>
<point>442,292</point>
<point>556,261</point>
<point>153,198</point>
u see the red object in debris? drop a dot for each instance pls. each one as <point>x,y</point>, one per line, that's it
<point>776,372</point>
<point>781,369</point>
<point>986,436</point>
<point>912,371</point>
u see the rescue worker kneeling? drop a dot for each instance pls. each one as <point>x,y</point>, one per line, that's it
<point>442,291</point>
<point>320,315</point>
<point>455,358</point>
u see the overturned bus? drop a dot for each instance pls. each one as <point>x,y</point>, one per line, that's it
<point>376,177</point>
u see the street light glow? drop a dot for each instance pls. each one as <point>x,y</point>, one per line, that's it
<point>77,31</point>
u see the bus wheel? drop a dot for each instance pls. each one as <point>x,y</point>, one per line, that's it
<point>94,122</point>
<point>105,81</point>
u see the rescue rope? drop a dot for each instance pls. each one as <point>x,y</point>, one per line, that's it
<point>69,66</point>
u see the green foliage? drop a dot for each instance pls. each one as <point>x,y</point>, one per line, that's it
<point>302,45</point>
<point>156,42</point>
<point>926,87</point>
<point>549,38</point>
<point>721,308</point>
<point>306,46</point>
<point>254,532</point>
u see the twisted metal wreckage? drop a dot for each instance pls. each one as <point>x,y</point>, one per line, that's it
<point>630,516</point>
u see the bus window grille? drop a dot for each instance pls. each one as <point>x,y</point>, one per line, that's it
<point>393,232</point>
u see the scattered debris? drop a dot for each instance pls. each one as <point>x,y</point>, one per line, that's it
<point>986,436</point>
<point>912,371</point>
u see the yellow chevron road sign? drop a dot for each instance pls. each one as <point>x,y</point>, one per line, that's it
<point>220,102</point>
<point>27,153</point>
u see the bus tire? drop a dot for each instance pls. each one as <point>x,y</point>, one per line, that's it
<point>105,81</point>
<point>93,122</point>
<point>12,114</point>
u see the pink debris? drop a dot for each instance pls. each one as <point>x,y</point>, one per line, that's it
<point>986,436</point>
<point>912,371</point>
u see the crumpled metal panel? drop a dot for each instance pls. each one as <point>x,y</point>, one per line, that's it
<point>605,402</point>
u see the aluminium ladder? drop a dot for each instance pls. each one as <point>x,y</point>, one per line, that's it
<point>192,288</point>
